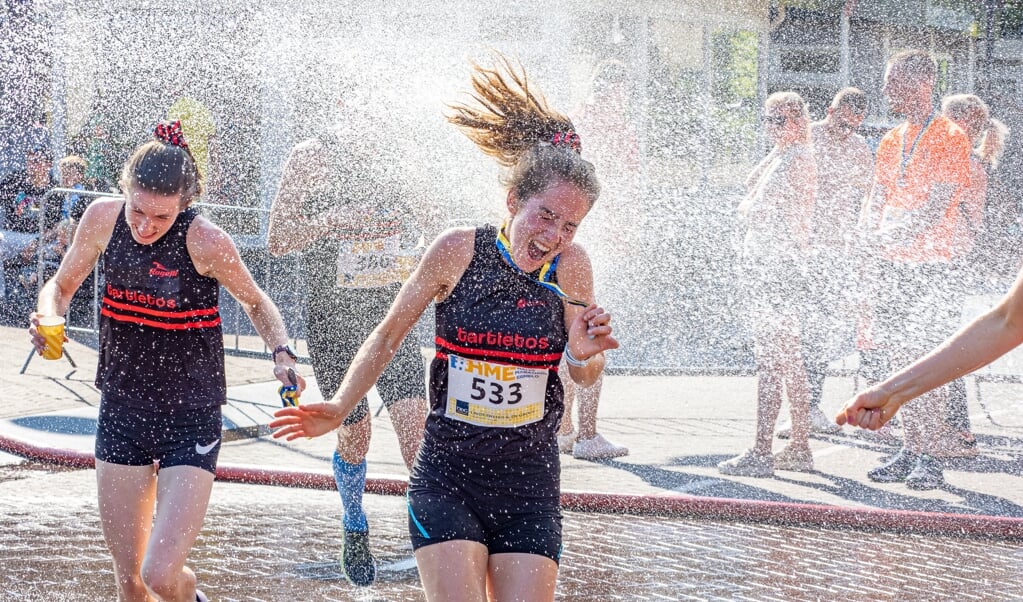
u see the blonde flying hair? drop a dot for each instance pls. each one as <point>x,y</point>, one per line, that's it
<point>991,134</point>
<point>793,105</point>
<point>512,123</point>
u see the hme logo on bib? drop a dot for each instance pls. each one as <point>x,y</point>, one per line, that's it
<point>485,369</point>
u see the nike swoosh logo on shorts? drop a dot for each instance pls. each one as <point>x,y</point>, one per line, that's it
<point>202,450</point>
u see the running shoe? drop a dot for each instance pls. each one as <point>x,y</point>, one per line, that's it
<point>820,424</point>
<point>748,464</point>
<point>896,469</point>
<point>795,459</point>
<point>597,448</point>
<point>566,442</point>
<point>927,474</point>
<point>357,561</point>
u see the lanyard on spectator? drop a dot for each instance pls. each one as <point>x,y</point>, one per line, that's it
<point>912,149</point>
<point>546,272</point>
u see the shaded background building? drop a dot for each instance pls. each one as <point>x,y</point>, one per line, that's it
<point>699,70</point>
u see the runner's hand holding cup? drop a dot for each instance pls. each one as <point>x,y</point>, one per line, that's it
<point>47,335</point>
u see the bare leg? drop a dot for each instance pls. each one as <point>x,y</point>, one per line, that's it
<point>796,384</point>
<point>353,440</point>
<point>127,497</point>
<point>589,398</point>
<point>769,391</point>
<point>408,416</point>
<point>183,494</point>
<point>923,418</point>
<point>521,577</point>
<point>453,571</point>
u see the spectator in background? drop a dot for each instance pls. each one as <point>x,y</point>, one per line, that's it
<point>921,171</point>
<point>612,146</point>
<point>987,136</point>
<point>22,195</point>
<point>95,142</point>
<point>777,211</point>
<point>72,170</point>
<point>845,168</point>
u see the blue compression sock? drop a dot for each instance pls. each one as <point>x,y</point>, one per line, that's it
<point>351,481</point>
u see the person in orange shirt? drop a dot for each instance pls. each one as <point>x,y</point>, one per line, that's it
<point>922,167</point>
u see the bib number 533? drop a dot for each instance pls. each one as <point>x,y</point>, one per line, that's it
<point>495,392</point>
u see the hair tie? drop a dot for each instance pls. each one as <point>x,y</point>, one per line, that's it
<point>569,139</point>
<point>171,133</point>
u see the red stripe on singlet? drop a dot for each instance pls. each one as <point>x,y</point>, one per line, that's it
<point>443,356</point>
<point>164,325</point>
<point>528,357</point>
<point>159,312</point>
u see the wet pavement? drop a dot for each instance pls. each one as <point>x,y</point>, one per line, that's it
<point>273,543</point>
<point>263,543</point>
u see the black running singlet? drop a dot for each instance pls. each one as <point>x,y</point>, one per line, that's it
<point>161,344</point>
<point>494,388</point>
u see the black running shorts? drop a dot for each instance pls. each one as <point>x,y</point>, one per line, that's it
<point>450,508</point>
<point>137,437</point>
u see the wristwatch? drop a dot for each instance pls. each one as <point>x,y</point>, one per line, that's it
<point>285,349</point>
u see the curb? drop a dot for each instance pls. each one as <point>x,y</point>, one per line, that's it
<point>676,506</point>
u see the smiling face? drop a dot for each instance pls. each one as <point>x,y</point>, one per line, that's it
<point>150,215</point>
<point>545,224</point>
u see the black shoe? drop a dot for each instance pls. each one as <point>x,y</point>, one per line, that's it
<point>926,475</point>
<point>896,469</point>
<point>357,562</point>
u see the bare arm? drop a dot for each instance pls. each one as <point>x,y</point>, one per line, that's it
<point>589,328</point>
<point>437,274</point>
<point>984,340</point>
<point>215,255</point>
<point>88,245</point>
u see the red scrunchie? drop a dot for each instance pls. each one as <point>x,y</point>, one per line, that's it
<point>569,139</point>
<point>171,133</point>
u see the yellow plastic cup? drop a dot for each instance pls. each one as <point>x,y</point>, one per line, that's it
<point>52,329</point>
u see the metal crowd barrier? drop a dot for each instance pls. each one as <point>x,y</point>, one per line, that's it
<point>41,263</point>
<point>239,326</point>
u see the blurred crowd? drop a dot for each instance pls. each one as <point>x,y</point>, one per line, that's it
<point>852,249</point>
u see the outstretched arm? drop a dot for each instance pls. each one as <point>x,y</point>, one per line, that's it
<point>81,257</point>
<point>441,268</point>
<point>984,340</point>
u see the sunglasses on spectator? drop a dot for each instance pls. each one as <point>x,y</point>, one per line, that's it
<point>776,119</point>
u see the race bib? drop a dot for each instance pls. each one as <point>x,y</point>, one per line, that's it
<point>369,263</point>
<point>497,395</point>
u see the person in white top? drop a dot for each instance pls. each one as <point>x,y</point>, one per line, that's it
<point>777,210</point>
<point>845,173</point>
